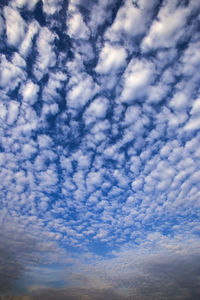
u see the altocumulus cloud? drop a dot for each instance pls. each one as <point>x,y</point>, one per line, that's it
<point>99,149</point>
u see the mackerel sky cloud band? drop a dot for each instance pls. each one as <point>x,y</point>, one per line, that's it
<point>99,149</point>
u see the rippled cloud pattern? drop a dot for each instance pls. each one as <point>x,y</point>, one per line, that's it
<point>100,149</point>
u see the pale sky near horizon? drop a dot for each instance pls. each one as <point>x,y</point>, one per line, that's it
<point>100,149</point>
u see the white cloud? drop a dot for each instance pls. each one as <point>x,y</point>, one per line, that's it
<point>133,113</point>
<point>27,121</point>
<point>13,111</point>
<point>157,93</point>
<point>27,43</point>
<point>102,233</point>
<point>82,90</point>
<point>179,101</point>
<point>76,26</point>
<point>100,12</point>
<point>111,59</point>
<point>24,3</point>
<point>193,124</point>
<point>147,5</point>
<point>55,83</point>
<point>15,26</point>
<point>3,111</point>
<point>96,110</point>
<point>10,73</point>
<point>30,92</point>
<point>28,150</point>
<point>66,163</point>
<point>51,6</point>
<point>190,61</point>
<point>51,109</point>
<point>135,164</point>
<point>195,107</point>
<point>137,184</point>
<point>168,29</point>
<point>48,178</point>
<point>130,21</point>
<point>83,160</point>
<point>136,80</point>
<point>44,141</point>
<point>46,56</point>
<point>18,61</point>
<point>166,149</point>
<point>94,180</point>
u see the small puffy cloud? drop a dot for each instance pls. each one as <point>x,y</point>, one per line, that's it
<point>28,150</point>
<point>157,93</point>
<point>190,61</point>
<point>47,179</point>
<point>82,159</point>
<point>130,21</point>
<point>133,113</point>
<point>30,92</point>
<point>54,85</point>
<point>193,124</point>
<point>137,184</point>
<point>18,61</point>
<point>111,59</point>
<point>195,107</point>
<point>94,180</point>
<point>3,112</point>
<point>179,101</point>
<point>82,90</point>
<point>46,56</point>
<point>27,43</point>
<point>51,109</point>
<point>10,74</point>
<point>76,27</point>
<point>102,233</point>
<point>24,4</point>
<point>44,141</point>
<point>136,80</point>
<point>13,111</point>
<point>51,6</point>
<point>166,31</point>
<point>96,110</point>
<point>165,150</point>
<point>15,26</point>
<point>101,12</point>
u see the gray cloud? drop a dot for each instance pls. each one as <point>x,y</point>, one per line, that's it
<point>20,252</point>
<point>15,252</point>
<point>159,278</point>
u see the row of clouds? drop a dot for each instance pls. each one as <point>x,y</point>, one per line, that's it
<point>140,137</point>
<point>100,133</point>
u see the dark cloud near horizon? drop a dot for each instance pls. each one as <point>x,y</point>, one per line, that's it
<point>17,251</point>
<point>20,251</point>
<point>164,278</point>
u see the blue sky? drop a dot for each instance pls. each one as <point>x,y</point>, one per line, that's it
<point>100,148</point>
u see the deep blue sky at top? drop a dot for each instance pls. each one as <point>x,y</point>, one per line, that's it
<point>100,120</point>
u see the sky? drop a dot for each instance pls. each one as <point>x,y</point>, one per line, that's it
<point>99,149</point>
